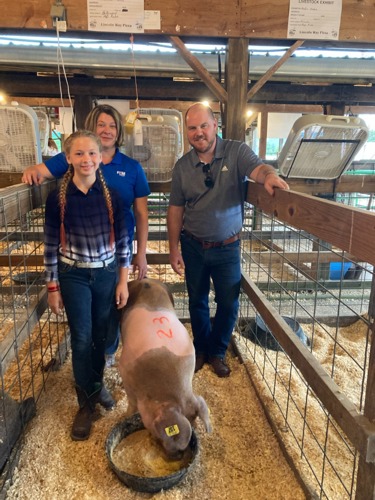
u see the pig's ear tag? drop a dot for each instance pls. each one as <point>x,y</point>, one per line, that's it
<point>172,430</point>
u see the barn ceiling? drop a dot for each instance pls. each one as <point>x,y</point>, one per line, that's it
<point>107,67</point>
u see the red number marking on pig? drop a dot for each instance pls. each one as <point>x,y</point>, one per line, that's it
<point>167,334</point>
<point>161,320</point>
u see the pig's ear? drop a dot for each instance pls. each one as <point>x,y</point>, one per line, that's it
<point>166,423</point>
<point>173,429</point>
<point>135,288</point>
<point>204,413</point>
<point>169,294</point>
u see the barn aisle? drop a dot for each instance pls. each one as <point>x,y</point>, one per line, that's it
<point>240,460</point>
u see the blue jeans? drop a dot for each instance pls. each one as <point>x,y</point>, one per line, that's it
<point>113,336</point>
<point>88,296</point>
<point>223,266</point>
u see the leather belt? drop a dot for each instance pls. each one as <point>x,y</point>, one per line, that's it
<point>87,265</point>
<point>212,244</point>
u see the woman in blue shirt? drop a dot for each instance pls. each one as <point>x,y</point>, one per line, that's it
<point>85,241</point>
<point>121,173</point>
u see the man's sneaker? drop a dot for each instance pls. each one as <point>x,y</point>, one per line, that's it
<point>110,360</point>
<point>105,399</point>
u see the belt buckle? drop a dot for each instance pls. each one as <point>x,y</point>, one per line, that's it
<point>208,244</point>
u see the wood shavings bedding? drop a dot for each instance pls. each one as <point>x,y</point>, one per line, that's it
<point>240,460</point>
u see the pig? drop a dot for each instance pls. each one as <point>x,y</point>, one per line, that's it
<point>157,366</point>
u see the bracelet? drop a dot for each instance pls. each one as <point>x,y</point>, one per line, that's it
<point>269,173</point>
<point>55,288</point>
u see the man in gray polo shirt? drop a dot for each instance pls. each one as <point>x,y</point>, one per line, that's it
<point>205,215</point>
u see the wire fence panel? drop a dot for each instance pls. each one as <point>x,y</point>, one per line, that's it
<point>304,334</point>
<point>324,297</point>
<point>32,341</point>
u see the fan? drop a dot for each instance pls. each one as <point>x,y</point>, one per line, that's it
<point>43,123</point>
<point>19,138</point>
<point>321,146</point>
<point>162,142</point>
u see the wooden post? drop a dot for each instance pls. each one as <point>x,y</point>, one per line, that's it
<point>263,120</point>
<point>336,108</point>
<point>82,107</point>
<point>236,78</point>
<point>366,471</point>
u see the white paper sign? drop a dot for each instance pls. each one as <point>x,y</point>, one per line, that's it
<point>116,15</point>
<point>314,19</point>
<point>152,20</point>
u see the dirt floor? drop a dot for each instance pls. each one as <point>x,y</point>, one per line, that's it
<point>240,460</point>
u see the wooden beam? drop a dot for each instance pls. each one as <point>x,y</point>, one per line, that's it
<point>9,179</point>
<point>350,229</point>
<point>215,87</point>
<point>263,131</point>
<point>195,18</point>
<point>366,471</point>
<point>236,79</point>
<point>337,108</point>
<point>345,184</point>
<point>304,98</point>
<point>18,199</point>
<point>357,427</point>
<point>270,72</point>
<point>82,106</point>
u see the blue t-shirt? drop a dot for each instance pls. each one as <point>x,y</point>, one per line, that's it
<point>123,174</point>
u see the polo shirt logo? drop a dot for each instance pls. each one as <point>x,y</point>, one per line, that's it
<point>121,173</point>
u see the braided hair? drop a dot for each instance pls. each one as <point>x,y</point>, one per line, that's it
<point>69,176</point>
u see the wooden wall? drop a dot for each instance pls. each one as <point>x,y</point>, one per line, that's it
<point>255,19</point>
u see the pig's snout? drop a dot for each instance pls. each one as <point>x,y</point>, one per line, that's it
<point>174,455</point>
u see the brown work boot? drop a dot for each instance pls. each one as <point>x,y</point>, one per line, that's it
<point>83,420</point>
<point>82,423</point>
<point>219,366</point>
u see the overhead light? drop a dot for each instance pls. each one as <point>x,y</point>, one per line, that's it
<point>185,79</point>
<point>54,74</point>
<point>316,83</point>
<point>321,146</point>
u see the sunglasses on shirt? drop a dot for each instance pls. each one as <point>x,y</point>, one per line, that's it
<point>208,180</point>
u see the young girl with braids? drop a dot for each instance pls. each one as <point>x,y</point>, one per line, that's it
<point>122,173</point>
<point>85,240</point>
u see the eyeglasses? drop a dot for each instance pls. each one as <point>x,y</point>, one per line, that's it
<point>208,180</point>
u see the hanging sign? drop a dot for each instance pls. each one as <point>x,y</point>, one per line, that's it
<point>116,15</point>
<point>314,19</point>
